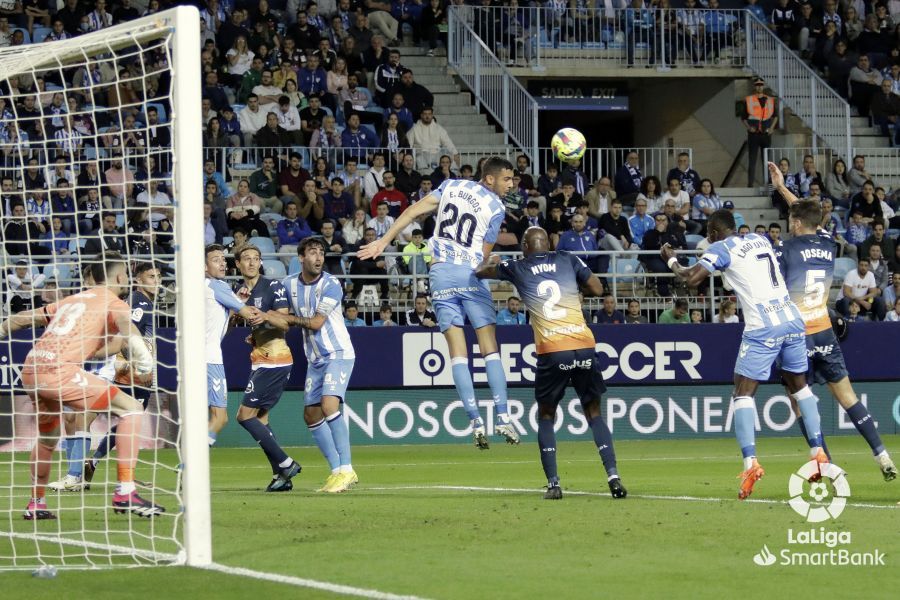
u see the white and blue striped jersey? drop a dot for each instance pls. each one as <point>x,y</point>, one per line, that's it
<point>323,297</point>
<point>468,215</point>
<point>750,267</point>
<point>220,301</point>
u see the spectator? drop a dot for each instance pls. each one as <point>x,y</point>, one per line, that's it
<point>374,178</point>
<point>614,231</point>
<point>859,289</point>
<point>387,76</point>
<point>334,247</point>
<point>879,268</point>
<point>556,224</point>
<point>110,238</point>
<point>858,176</point>
<point>363,268</point>
<point>63,206</point>
<point>375,55</point>
<point>681,205</point>
<point>355,140</point>
<point>55,239</point>
<point>408,179</point>
<point>386,317</point>
<point>313,81</point>
<point>243,210</point>
<point>579,240</point>
<point>760,117</point>
<point>353,57</point>
<point>396,200</point>
<point>264,183</point>
<point>157,202</point>
<point>420,315</point>
<point>442,171</point>
<point>878,238</point>
<point>382,221</point>
<point>394,139</point>
<point>885,107</point>
<point>239,58</point>
<point>433,22</point>
<point>609,313</point>
<point>354,230</point>
<point>807,176</point>
<point>677,314</point>
<point>738,217</point>
<point>213,228</point>
<point>628,179</point>
<point>531,218</point>
<point>705,203</point>
<point>415,96</point>
<point>289,120</point>
<point>272,135</point>
<point>892,292</point>
<point>640,222</point>
<point>572,173</point>
<point>831,224</point>
<point>252,118</point>
<point>229,122</point>
<point>511,315</point>
<point>22,285</point>
<point>839,64</point>
<point>379,16</point>
<point>430,139</point>
<point>773,234</point>
<point>655,239</point>
<point>696,316</point>
<point>417,255</point>
<point>398,108</point>
<point>327,60</point>
<point>291,180</point>
<point>864,83</point>
<point>550,184</point>
<point>687,176</point>
<point>339,205</point>
<point>867,204</point>
<point>894,315</point>
<point>21,235</point>
<point>351,315</point>
<point>291,230</point>
<point>633,313</point>
<point>650,193</point>
<point>727,313</point>
<point>838,184</point>
<point>120,182</point>
<point>305,34</point>
<point>568,200</point>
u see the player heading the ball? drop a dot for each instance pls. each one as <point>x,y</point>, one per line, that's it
<point>469,215</point>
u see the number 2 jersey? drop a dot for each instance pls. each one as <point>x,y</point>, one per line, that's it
<point>548,284</point>
<point>749,266</point>
<point>807,264</point>
<point>468,215</point>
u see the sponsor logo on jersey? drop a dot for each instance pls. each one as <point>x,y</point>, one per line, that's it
<point>137,314</point>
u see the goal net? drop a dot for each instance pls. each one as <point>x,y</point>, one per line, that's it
<point>100,154</point>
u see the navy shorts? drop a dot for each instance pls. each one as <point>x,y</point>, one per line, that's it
<point>826,360</point>
<point>557,370</point>
<point>266,386</point>
<point>143,394</point>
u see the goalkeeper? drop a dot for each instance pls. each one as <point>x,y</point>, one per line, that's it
<point>53,376</point>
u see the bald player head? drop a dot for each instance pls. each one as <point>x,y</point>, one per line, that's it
<point>535,241</point>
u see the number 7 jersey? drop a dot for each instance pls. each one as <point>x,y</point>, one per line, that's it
<point>468,215</point>
<point>750,266</point>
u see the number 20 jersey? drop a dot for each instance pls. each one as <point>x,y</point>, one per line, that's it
<point>468,215</point>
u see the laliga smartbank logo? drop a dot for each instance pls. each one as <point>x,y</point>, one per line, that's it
<point>825,500</point>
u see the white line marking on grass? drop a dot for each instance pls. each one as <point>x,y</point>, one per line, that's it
<point>308,583</point>
<point>112,549</point>
<point>466,488</point>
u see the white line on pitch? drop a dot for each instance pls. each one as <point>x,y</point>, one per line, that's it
<point>308,583</point>
<point>466,488</point>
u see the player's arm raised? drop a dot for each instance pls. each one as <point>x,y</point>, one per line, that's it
<point>777,178</point>
<point>693,275</point>
<point>426,205</point>
<point>23,320</point>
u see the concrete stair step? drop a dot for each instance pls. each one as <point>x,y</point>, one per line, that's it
<point>871,141</point>
<point>443,110</point>
<point>430,79</point>
<point>731,192</point>
<point>443,88</point>
<point>450,120</point>
<point>859,121</point>
<point>754,202</point>
<point>442,100</point>
<point>476,139</point>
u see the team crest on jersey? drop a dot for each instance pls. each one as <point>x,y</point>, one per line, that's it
<point>249,389</point>
<point>257,302</point>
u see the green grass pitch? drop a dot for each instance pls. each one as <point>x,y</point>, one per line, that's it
<point>409,527</point>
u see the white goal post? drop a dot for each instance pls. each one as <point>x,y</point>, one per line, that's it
<point>130,63</point>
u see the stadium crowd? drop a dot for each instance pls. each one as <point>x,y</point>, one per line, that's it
<point>336,139</point>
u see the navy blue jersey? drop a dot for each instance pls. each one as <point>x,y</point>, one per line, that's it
<point>807,264</point>
<point>269,345</point>
<point>142,313</point>
<point>548,284</point>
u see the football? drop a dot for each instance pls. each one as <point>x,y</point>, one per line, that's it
<point>568,144</point>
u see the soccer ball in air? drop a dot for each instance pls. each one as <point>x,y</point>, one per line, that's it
<point>568,144</point>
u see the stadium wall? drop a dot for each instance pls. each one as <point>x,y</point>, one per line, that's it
<point>664,380</point>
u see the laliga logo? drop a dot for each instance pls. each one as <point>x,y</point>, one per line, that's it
<point>819,492</point>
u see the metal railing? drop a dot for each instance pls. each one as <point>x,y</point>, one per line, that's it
<point>491,83</point>
<point>882,164</point>
<point>597,162</point>
<point>798,87</point>
<point>542,37</point>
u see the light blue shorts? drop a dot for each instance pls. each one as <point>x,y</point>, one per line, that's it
<point>328,378</point>
<point>761,348</point>
<point>456,294</point>
<point>216,386</point>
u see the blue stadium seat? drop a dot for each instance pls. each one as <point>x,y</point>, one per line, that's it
<point>61,272</point>
<point>160,109</point>
<point>692,240</point>
<point>274,269</point>
<point>842,266</point>
<point>265,244</point>
<point>294,267</point>
<point>40,33</point>
<point>627,266</point>
<point>227,240</point>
